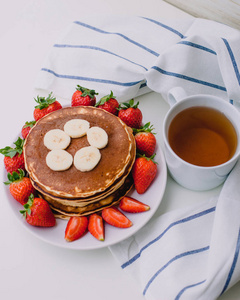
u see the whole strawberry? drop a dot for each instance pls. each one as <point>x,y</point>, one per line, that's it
<point>144,171</point>
<point>14,158</point>
<point>83,96</point>
<point>20,186</point>
<point>109,103</point>
<point>37,212</point>
<point>26,128</point>
<point>145,140</point>
<point>130,114</point>
<point>45,106</point>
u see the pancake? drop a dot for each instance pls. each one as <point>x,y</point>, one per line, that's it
<point>81,202</point>
<point>111,200</point>
<point>116,157</point>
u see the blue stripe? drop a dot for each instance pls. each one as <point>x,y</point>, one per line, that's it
<point>197,46</point>
<point>232,59</point>
<point>187,219</point>
<point>119,34</point>
<point>184,254</point>
<point>188,287</point>
<point>143,85</point>
<point>233,264</point>
<point>91,79</point>
<point>97,49</point>
<point>184,77</point>
<point>165,26</point>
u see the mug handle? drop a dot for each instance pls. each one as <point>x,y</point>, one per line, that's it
<point>175,95</point>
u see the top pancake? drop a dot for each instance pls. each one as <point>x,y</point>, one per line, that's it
<point>73,183</point>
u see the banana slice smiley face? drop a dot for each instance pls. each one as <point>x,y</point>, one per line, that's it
<point>86,158</point>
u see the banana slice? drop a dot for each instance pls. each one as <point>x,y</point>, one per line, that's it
<point>76,127</point>
<point>97,137</point>
<point>56,139</point>
<point>59,160</point>
<point>87,158</point>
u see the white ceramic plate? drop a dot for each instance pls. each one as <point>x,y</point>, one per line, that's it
<point>55,235</point>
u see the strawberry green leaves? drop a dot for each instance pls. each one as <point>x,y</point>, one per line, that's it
<point>11,152</point>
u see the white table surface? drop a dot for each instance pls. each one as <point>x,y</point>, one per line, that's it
<point>29,266</point>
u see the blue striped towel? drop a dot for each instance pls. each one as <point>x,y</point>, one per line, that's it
<point>191,253</point>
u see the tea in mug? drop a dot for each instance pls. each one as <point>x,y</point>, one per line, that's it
<point>202,136</point>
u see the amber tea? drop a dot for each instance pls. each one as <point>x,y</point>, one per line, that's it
<point>202,136</point>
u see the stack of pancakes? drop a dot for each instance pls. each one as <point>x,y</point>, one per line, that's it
<point>72,192</point>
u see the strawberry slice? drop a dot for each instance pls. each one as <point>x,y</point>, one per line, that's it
<point>75,228</point>
<point>115,218</point>
<point>132,205</point>
<point>96,227</point>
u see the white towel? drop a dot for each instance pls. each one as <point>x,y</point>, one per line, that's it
<point>191,253</point>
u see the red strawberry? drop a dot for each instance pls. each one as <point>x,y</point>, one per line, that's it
<point>144,171</point>
<point>109,103</point>
<point>38,212</point>
<point>45,106</point>
<point>76,227</point>
<point>26,128</point>
<point>145,140</point>
<point>131,114</point>
<point>20,186</point>
<point>14,159</point>
<point>96,227</point>
<point>83,96</point>
<point>115,218</point>
<point>132,205</point>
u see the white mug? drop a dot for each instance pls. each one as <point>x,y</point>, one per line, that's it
<point>186,174</point>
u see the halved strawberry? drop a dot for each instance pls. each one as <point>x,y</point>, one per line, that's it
<point>115,218</point>
<point>132,205</point>
<point>75,228</point>
<point>96,227</point>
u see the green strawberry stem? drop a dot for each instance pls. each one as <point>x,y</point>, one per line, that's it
<point>147,158</point>
<point>29,124</point>
<point>105,99</point>
<point>9,151</point>
<point>129,104</point>
<point>27,206</point>
<point>15,176</point>
<point>44,102</point>
<point>146,128</point>
<point>86,92</point>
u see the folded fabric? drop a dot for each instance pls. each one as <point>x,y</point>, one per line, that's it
<point>192,253</point>
<point>132,56</point>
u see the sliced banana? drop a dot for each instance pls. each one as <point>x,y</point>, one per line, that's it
<point>59,160</point>
<point>97,137</point>
<point>76,127</point>
<point>56,139</point>
<point>87,158</point>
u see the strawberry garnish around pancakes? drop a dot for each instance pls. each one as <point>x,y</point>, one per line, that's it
<point>14,158</point>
